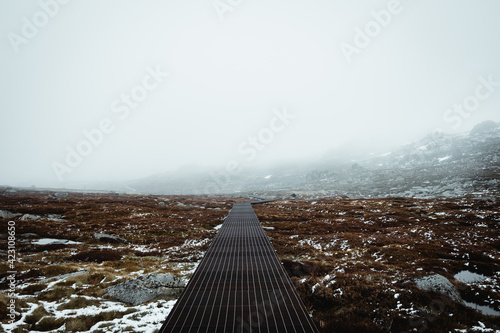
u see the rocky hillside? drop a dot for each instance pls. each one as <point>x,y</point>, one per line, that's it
<point>440,164</point>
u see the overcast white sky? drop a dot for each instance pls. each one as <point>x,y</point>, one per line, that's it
<point>227,76</point>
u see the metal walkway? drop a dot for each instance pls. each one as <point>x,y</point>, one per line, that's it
<point>240,286</point>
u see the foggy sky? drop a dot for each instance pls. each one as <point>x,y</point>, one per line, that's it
<point>232,67</point>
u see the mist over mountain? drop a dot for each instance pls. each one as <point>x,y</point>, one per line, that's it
<point>440,164</point>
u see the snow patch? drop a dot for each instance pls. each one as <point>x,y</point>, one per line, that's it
<point>47,241</point>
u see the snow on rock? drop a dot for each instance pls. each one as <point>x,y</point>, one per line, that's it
<point>146,287</point>
<point>47,241</point>
<point>4,214</point>
<point>30,217</point>
<point>440,285</point>
<point>109,238</point>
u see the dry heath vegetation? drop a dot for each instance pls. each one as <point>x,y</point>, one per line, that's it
<point>353,261</point>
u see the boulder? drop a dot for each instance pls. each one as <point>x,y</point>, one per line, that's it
<point>55,218</point>
<point>5,214</point>
<point>109,238</point>
<point>439,284</point>
<point>30,217</point>
<point>146,287</point>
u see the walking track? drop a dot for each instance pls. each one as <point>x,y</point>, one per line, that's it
<point>239,286</point>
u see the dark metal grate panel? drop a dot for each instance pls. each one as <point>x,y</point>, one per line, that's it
<point>240,286</point>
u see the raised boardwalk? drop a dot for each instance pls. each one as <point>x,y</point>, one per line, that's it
<point>240,285</point>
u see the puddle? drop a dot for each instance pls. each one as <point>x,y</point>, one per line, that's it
<point>486,310</point>
<point>469,277</point>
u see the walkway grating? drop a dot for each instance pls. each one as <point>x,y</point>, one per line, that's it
<point>240,286</point>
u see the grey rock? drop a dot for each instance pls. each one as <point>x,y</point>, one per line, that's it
<point>56,218</point>
<point>30,217</point>
<point>146,287</point>
<point>161,203</point>
<point>440,285</point>
<point>109,238</point>
<point>61,194</point>
<point>5,214</point>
